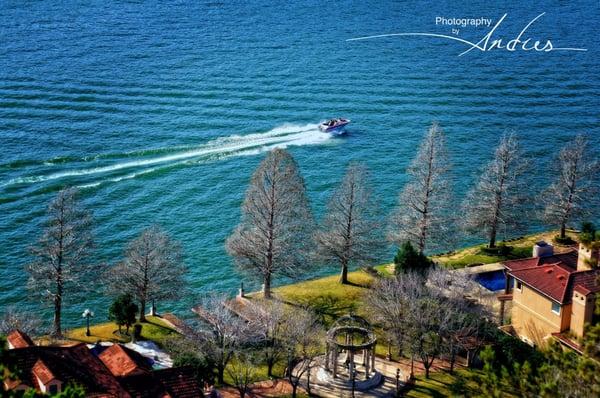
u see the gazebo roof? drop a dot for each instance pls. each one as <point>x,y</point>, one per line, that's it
<point>352,324</point>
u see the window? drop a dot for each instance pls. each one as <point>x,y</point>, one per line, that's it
<point>518,285</point>
<point>555,308</point>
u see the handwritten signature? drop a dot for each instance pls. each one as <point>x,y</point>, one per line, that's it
<point>490,42</point>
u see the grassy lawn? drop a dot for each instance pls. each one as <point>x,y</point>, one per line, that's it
<point>326,296</point>
<point>155,329</point>
<point>522,248</point>
<point>442,384</point>
<point>438,385</point>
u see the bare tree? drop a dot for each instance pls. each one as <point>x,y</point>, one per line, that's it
<point>427,319</point>
<point>153,269</point>
<point>266,318</point>
<point>14,319</point>
<point>242,372</point>
<point>302,336</point>
<point>220,334</point>
<point>349,233</point>
<point>575,181</point>
<point>497,199</point>
<point>61,256</point>
<point>465,324</point>
<point>272,237</point>
<point>422,216</point>
<point>388,307</point>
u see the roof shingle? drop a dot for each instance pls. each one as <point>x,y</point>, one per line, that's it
<point>122,361</point>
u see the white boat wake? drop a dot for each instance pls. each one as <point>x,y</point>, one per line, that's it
<point>224,147</point>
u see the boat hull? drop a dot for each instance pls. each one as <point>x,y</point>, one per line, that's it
<point>338,129</point>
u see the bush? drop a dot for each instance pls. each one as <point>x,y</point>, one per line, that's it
<point>409,259</point>
<point>137,331</point>
<point>371,271</point>
<point>501,250</point>
<point>563,241</point>
<point>203,368</point>
<point>509,350</point>
<point>122,311</point>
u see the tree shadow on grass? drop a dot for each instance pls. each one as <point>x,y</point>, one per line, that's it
<point>427,391</point>
<point>350,283</point>
<point>158,325</point>
<point>327,307</point>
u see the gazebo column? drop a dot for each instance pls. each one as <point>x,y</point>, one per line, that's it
<point>351,367</point>
<point>335,361</point>
<point>366,363</point>
<point>373,357</point>
<point>364,352</point>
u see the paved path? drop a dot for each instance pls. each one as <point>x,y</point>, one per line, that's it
<point>478,269</point>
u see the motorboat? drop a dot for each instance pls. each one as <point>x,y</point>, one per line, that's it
<point>335,126</point>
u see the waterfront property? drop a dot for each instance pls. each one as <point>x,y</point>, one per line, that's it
<point>553,295</point>
<point>116,371</point>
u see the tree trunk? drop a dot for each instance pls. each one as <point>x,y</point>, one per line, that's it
<point>452,361</point>
<point>344,274</point>
<point>57,313</point>
<point>492,243</point>
<point>563,231</point>
<point>220,375</point>
<point>270,367</point>
<point>294,390</point>
<point>143,310</point>
<point>426,371</point>
<point>267,286</point>
<point>59,293</point>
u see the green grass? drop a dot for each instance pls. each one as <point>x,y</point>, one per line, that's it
<point>443,384</point>
<point>154,329</point>
<point>438,385</point>
<point>522,248</point>
<point>327,297</point>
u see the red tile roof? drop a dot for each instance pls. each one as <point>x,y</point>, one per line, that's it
<point>569,259</point>
<point>587,282</point>
<point>77,364</point>
<point>74,363</point>
<point>18,339</point>
<point>122,361</point>
<point>555,276</point>
<point>174,382</point>
<point>41,371</point>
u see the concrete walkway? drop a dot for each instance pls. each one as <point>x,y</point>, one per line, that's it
<point>479,269</point>
<point>384,390</point>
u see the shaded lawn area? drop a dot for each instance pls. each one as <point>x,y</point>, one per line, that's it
<point>463,383</point>
<point>327,297</point>
<point>522,248</point>
<point>155,329</point>
<point>260,369</point>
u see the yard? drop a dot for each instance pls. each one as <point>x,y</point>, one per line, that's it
<point>462,383</point>
<point>522,248</point>
<point>155,329</point>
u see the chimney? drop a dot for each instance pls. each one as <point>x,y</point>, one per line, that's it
<point>543,249</point>
<point>587,257</point>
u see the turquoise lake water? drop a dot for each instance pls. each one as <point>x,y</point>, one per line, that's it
<point>160,112</point>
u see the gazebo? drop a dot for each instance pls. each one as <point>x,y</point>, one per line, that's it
<point>351,346</point>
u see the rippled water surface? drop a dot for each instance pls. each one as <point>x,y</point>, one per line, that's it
<point>160,112</point>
